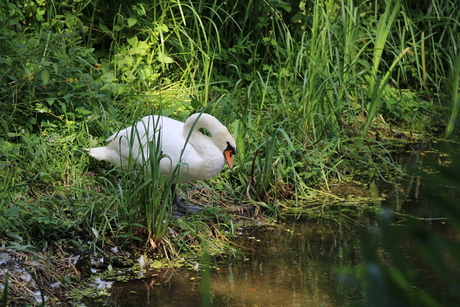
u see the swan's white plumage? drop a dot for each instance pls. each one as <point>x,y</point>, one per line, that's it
<point>201,157</point>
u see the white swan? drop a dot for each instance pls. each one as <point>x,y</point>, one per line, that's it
<point>201,156</point>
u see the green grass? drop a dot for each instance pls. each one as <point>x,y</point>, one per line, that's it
<point>454,80</point>
<point>302,90</point>
<point>5,291</point>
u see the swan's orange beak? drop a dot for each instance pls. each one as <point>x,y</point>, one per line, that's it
<point>228,157</point>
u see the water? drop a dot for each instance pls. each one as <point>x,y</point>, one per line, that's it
<point>298,264</point>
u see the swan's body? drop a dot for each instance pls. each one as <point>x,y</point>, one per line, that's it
<point>200,156</point>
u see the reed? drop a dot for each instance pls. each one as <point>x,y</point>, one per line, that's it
<point>377,83</point>
<point>454,80</point>
<point>145,196</point>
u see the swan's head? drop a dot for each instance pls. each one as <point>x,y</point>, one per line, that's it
<point>225,142</point>
<point>229,151</point>
<point>220,135</point>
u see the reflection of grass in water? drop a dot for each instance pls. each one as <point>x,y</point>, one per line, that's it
<point>205,280</point>
<point>290,265</point>
<point>287,265</point>
<point>413,265</point>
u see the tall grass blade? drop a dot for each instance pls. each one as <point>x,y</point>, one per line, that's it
<point>205,279</point>
<point>454,80</point>
<point>5,290</point>
<point>382,31</point>
<point>377,83</point>
<point>155,196</point>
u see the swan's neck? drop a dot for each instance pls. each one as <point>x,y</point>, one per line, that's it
<point>209,160</point>
<point>197,121</point>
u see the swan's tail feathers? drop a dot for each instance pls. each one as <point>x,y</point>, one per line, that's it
<point>105,154</point>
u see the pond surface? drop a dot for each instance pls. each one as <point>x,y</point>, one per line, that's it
<point>297,264</point>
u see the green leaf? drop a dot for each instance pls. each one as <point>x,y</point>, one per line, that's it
<point>140,48</point>
<point>50,100</point>
<point>163,28</point>
<point>164,58</point>
<point>70,21</point>
<point>103,28</point>
<point>131,22</point>
<point>13,212</point>
<point>45,77</point>
<point>133,41</point>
